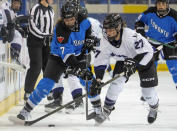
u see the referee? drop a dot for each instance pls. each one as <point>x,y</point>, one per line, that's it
<point>40,30</point>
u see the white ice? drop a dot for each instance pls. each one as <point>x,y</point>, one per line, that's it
<point>130,113</point>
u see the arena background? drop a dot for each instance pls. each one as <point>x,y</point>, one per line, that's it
<point>12,82</point>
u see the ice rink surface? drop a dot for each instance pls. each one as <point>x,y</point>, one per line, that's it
<point>130,113</point>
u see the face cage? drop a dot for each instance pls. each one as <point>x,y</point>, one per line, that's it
<point>110,39</point>
<point>163,13</point>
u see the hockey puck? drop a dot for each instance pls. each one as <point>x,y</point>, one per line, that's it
<point>51,125</point>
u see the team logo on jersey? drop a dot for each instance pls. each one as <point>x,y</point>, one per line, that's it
<point>60,39</point>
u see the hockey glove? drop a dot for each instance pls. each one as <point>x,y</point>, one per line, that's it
<point>94,88</point>
<point>3,34</point>
<point>91,42</point>
<point>129,67</point>
<point>140,27</point>
<point>11,31</point>
<point>80,72</point>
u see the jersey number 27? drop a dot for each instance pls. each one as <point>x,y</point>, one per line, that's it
<point>139,44</point>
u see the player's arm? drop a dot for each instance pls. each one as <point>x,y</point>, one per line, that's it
<point>7,32</point>
<point>62,46</point>
<point>90,40</point>
<point>101,61</point>
<point>175,27</point>
<point>142,21</point>
<point>144,52</point>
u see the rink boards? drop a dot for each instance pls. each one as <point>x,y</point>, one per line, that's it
<point>11,81</point>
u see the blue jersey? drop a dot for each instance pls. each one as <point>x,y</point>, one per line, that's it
<point>66,43</point>
<point>162,29</point>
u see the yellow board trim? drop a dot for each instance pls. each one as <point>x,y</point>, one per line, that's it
<point>11,101</point>
<point>134,8</point>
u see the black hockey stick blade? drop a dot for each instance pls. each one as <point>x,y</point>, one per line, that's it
<point>29,123</point>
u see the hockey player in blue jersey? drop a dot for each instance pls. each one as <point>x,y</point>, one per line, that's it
<point>70,36</point>
<point>162,26</point>
<point>74,83</point>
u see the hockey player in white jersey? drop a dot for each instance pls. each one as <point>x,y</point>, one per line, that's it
<point>133,52</point>
<point>8,33</point>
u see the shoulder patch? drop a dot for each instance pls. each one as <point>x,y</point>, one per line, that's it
<point>62,33</point>
<point>60,39</point>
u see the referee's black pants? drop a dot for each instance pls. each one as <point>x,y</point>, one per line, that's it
<point>38,54</point>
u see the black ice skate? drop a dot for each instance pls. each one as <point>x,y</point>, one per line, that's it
<point>20,119</point>
<point>76,108</point>
<point>153,113</point>
<point>54,105</point>
<point>50,96</point>
<point>100,116</point>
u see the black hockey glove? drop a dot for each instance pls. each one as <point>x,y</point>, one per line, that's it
<point>94,88</point>
<point>3,34</point>
<point>129,67</point>
<point>80,72</point>
<point>22,19</point>
<point>91,42</point>
<point>11,31</point>
<point>140,27</point>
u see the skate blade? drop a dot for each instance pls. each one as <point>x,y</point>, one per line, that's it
<point>16,120</point>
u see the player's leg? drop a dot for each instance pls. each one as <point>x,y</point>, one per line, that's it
<point>111,97</point>
<point>170,56</point>
<point>57,95</point>
<point>54,69</point>
<point>172,66</point>
<point>148,82</point>
<point>35,55</point>
<point>76,91</point>
<point>114,90</point>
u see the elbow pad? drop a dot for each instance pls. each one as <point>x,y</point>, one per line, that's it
<point>140,28</point>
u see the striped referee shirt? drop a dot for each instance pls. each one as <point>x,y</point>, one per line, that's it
<point>42,20</point>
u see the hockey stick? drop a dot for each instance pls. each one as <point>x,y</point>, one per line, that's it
<point>160,43</point>
<point>29,123</point>
<point>13,66</point>
<point>86,82</point>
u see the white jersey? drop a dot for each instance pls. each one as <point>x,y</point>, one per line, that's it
<point>96,27</point>
<point>132,44</point>
<point>4,9</point>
